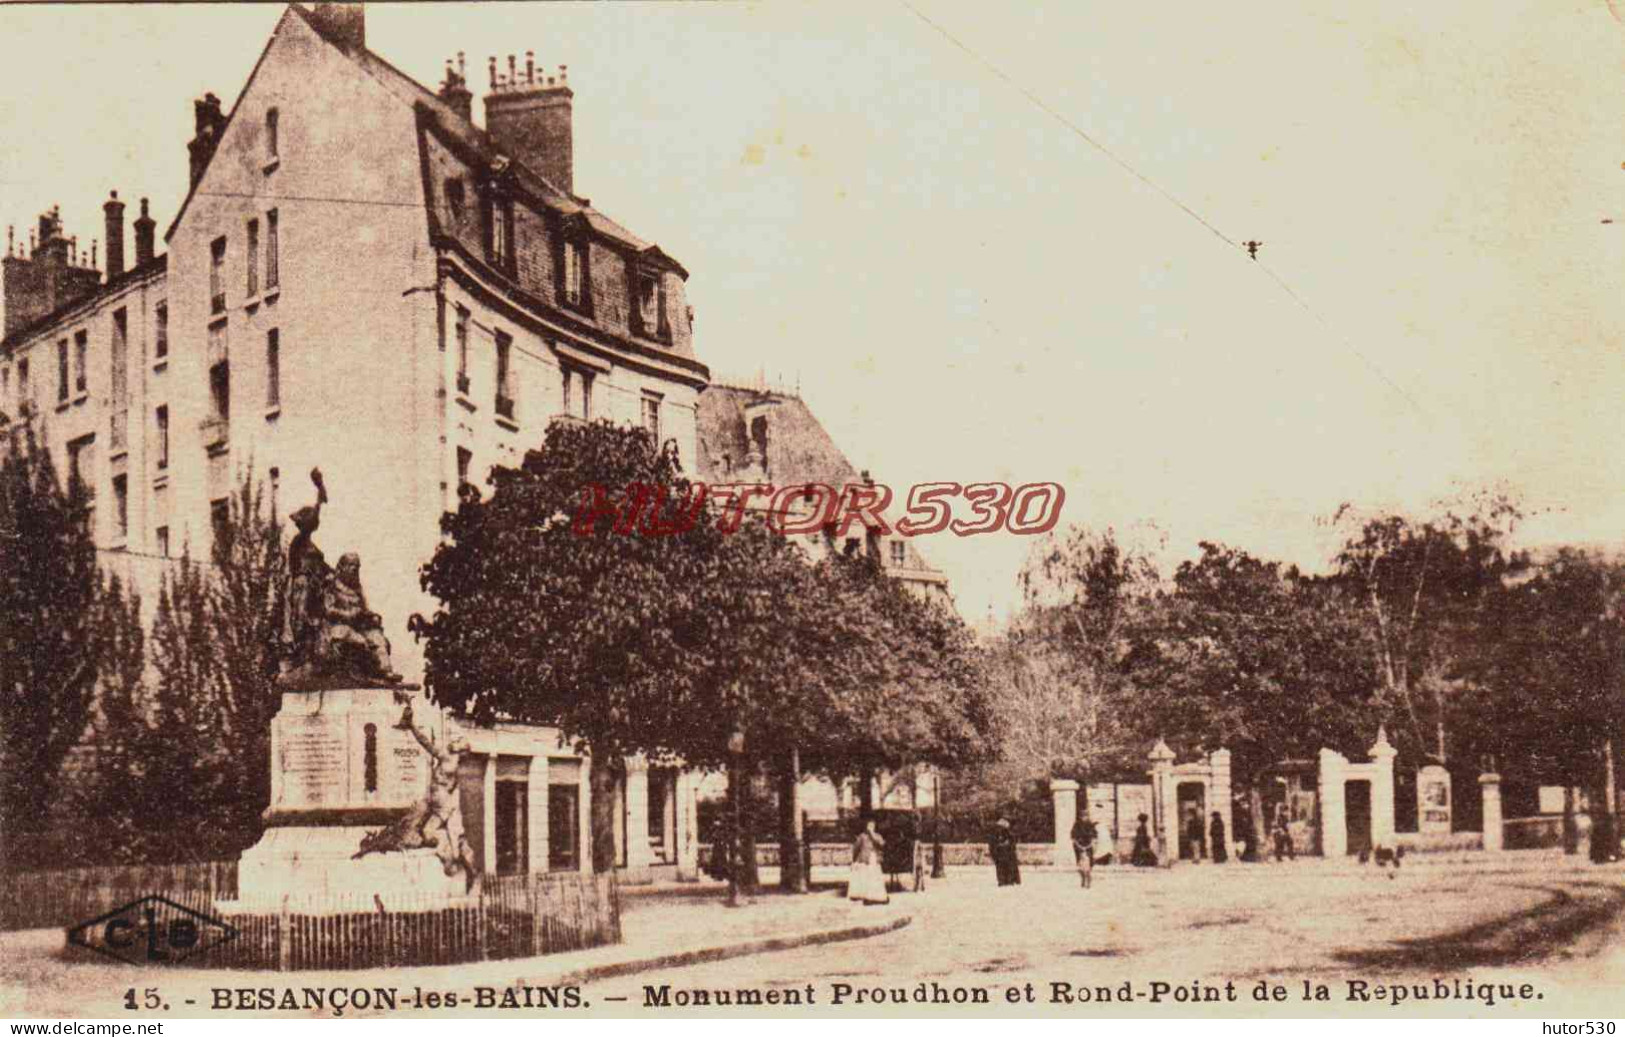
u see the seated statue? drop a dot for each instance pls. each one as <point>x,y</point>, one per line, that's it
<point>352,638</point>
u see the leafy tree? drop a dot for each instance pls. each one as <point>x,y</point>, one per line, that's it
<point>1423,588</point>
<point>112,797</point>
<point>246,591</point>
<point>1257,660</point>
<point>592,631</point>
<point>714,649</point>
<point>1064,667</point>
<point>49,658</point>
<point>183,752</point>
<point>1547,687</point>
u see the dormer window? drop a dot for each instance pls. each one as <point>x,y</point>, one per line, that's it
<point>649,309</point>
<point>456,202</point>
<point>499,233</point>
<point>575,274</point>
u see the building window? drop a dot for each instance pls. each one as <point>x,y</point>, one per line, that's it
<point>81,360</point>
<point>162,415</point>
<point>899,552</point>
<point>273,369</point>
<point>577,392</point>
<point>272,260</point>
<point>163,541</point>
<point>160,343</point>
<point>504,375</point>
<point>456,202</point>
<point>462,351</point>
<point>253,258</point>
<point>651,416</point>
<point>272,143</point>
<point>121,505</point>
<point>575,275</point>
<point>82,476</point>
<point>217,268</point>
<point>24,397</point>
<point>62,374</point>
<point>276,489</point>
<point>220,389</point>
<point>219,516</point>
<point>650,290</point>
<point>465,459</point>
<point>120,358</point>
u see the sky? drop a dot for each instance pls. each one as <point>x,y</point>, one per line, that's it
<point>1000,242</point>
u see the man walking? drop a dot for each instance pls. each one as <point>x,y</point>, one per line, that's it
<point>1083,845</point>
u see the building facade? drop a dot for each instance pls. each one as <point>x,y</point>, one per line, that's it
<point>360,280</point>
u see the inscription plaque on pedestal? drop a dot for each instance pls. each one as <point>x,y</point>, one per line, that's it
<point>314,762</point>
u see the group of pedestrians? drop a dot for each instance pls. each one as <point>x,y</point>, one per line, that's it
<point>868,883</point>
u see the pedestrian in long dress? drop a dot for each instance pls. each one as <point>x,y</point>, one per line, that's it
<point>867,882</point>
<point>1001,846</point>
<point>1216,841</point>
<point>1143,856</point>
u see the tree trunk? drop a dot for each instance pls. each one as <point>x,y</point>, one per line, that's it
<point>792,878</point>
<point>1255,807</point>
<point>604,779</point>
<point>1571,830</point>
<point>749,878</point>
<point>1604,844</point>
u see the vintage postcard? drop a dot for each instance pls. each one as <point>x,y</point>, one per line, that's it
<point>919,509</point>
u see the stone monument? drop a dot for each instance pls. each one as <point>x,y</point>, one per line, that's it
<point>364,798</point>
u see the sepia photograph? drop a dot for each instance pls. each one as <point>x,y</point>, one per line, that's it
<point>766,510</point>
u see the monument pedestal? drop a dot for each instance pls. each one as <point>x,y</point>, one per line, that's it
<point>342,767</point>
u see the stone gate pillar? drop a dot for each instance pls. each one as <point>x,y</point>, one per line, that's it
<point>1489,786</point>
<point>687,824</point>
<point>1064,795</point>
<point>639,855</point>
<point>1164,803</point>
<point>1219,795</point>
<point>536,808</point>
<point>1334,832</point>
<point>1382,790</point>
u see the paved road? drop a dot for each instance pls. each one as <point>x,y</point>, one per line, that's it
<point>1520,917</point>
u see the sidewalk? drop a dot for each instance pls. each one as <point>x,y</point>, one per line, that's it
<point>677,927</point>
<point>662,928</point>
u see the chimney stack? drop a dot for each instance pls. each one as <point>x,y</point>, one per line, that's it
<point>528,115</point>
<point>455,92</point>
<point>144,226</point>
<point>114,209</point>
<point>210,121</point>
<point>345,25</point>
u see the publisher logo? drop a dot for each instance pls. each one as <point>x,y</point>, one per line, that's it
<point>152,930</point>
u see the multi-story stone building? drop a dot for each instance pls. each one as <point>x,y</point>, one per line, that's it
<point>363,280</point>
